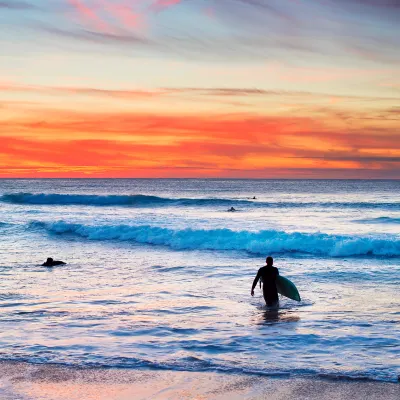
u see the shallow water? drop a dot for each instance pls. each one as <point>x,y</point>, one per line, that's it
<point>162,280</point>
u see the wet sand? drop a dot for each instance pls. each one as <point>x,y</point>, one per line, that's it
<point>48,382</point>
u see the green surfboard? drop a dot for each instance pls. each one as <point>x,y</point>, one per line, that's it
<point>287,288</point>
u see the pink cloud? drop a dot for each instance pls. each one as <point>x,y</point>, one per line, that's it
<point>99,14</point>
<point>89,15</point>
<point>161,4</point>
<point>124,14</point>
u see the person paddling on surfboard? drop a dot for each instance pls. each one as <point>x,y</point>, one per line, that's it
<point>268,275</point>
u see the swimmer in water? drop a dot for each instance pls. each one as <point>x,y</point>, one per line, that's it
<point>232,209</point>
<point>51,263</point>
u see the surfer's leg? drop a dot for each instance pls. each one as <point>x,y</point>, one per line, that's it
<point>271,302</point>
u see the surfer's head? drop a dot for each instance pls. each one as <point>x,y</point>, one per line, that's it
<point>49,260</point>
<point>270,261</point>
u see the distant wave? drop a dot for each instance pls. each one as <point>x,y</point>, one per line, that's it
<point>139,200</point>
<point>380,220</point>
<point>262,242</point>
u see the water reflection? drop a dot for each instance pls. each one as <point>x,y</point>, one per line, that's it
<point>271,316</point>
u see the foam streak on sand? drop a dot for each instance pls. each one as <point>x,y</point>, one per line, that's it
<point>261,242</point>
<point>49,382</point>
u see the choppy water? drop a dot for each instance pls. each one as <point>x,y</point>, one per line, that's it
<point>159,275</point>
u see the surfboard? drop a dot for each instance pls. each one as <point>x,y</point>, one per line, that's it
<point>287,288</point>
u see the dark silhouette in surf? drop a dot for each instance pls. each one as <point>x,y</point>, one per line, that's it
<point>232,209</point>
<point>51,263</point>
<point>268,275</point>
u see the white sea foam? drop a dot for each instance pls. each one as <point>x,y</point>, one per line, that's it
<point>261,242</point>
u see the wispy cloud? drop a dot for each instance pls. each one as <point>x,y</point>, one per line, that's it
<point>108,16</point>
<point>16,5</point>
<point>392,4</point>
<point>89,15</point>
<point>106,38</point>
<point>199,92</point>
<point>239,29</point>
<point>128,94</point>
<point>162,4</point>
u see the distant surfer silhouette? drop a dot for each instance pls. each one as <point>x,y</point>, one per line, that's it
<point>268,275</point>
<point>232,209</point>
<point>51,263</point>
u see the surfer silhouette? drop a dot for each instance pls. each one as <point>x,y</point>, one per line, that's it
<point>51,263</point>
<point>268,275</point>
<point>232,209</point>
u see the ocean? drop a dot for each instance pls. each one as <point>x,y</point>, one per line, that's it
<point>159,273</point>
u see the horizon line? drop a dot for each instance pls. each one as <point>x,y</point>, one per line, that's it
<point>200,178</point>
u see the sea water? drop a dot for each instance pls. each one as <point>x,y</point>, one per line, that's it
<point>159,274</point>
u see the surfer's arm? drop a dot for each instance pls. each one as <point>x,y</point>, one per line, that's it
<point>255,282</point>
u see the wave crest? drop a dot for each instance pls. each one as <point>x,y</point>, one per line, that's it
<point>140,200</point>
<point>82,199</point>
<point>262,242</point>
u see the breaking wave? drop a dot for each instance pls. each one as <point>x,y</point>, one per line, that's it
<point>139,200</point>
<point>261,242</point>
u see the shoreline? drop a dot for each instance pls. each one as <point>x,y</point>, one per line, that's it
<point>23,381</point>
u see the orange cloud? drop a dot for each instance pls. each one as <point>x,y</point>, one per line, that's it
<point>128,94</point>
<point>58,143</point>
<point>237,127</point>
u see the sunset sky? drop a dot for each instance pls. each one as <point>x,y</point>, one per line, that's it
<point>200,88</point>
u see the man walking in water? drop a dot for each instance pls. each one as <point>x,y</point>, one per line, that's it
<point>268,276</point>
